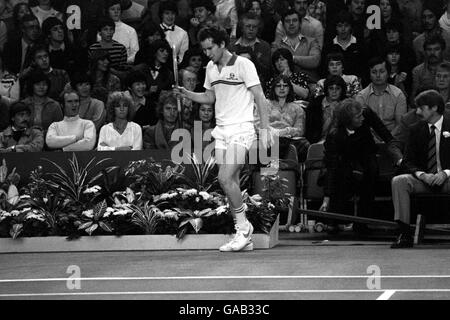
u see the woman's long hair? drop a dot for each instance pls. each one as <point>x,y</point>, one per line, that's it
<point>285,53</point>
<point>93,66</point>
<point>153,49</point>
<point>281,77</point>
<point>335,80</point>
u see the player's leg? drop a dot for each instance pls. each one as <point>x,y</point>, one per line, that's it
<point>229,173</point>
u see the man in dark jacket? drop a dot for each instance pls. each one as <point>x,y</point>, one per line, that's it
<point>427,161</point>
<point>20,136</point>
<point>17,53</point>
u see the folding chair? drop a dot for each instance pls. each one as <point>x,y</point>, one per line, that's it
<point>314,167</point>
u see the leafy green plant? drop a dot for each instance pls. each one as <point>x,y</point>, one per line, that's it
<point>204,179</point>
<point>274,190</point>
<point>146,217</point>
<point>151,177</point>
<point>193,218</point>
<point>95,219</point>
<point>73,183</point>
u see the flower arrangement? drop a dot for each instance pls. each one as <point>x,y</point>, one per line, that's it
<point>160,199</point>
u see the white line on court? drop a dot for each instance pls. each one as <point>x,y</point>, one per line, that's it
<point>386,295</point>
<point>227,278</point>
<point>214,292</point>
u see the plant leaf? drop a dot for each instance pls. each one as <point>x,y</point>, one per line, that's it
<point>91,229</point>
<point>16,230</point>
<point>105,226</point>
<point>85,225</point>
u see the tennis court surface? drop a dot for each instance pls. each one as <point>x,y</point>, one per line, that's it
<point>297,268</point>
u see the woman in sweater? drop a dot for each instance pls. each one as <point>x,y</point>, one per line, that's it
<point>120,133</point>
<point>287,116</point>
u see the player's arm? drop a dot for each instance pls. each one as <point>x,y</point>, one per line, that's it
<point>207,97</point>
<point>262,104</point>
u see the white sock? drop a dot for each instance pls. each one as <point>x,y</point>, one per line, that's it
<point>240,218</point>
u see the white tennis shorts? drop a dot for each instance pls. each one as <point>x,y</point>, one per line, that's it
<point>242,134</point>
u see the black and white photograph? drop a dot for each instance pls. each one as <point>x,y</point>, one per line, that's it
<point>224,159</point>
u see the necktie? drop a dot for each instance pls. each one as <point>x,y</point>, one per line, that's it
<point>432,162</point>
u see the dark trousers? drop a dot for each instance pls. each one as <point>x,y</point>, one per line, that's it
<point>356,177</point>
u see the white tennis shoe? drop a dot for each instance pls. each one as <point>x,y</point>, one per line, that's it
<point>241,241</point>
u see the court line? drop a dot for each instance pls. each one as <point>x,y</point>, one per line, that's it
<point>226,278</point>
<point>386,295</point>
<point>215,292</point>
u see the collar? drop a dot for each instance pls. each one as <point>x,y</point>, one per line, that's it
<point>25,44</point>
<point>437,125</point>
<point>232,60</point>
<point>352,41</point>
<point>371,91</point>
<point>141,101</point>
<point>350,132</point>
<point>325,103</point>
<point>10,130</point>
<point>52,48</point>
<point>300,37</point>
<point>72,119</point>
<point>239,41</point>
<point>307,17</point>
<point>50,71</point>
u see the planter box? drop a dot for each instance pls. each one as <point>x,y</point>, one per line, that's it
<point>131,243</point>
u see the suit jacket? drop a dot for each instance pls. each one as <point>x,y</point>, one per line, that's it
<point>154,138</point>
<point>12,56</point>
<point>401,134</point>
<point>416,157</point>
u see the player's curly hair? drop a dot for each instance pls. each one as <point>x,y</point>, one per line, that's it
<point>217,34</point>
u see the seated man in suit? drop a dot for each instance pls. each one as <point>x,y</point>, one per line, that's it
<point>427,160</point>
<point>72,133</point>
<point>17,52</point>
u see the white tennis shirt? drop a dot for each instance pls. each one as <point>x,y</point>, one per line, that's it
<point>234,101</point>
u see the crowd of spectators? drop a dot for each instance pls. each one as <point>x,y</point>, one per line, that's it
<point>302,49</point>
<point>97,74</point>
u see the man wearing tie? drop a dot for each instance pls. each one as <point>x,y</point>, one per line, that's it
<point>175,35</point>
<point>17,52</point>
<point>427,161</point>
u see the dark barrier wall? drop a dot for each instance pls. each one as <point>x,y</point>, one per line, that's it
<point>27,162</point>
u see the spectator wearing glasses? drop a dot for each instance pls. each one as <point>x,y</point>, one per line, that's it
<point>17,53</point>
